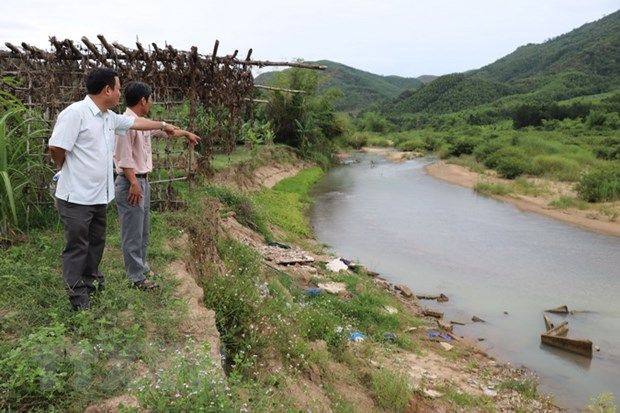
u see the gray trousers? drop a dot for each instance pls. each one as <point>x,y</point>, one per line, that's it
<point>84,230</point>
<point>135,227</point>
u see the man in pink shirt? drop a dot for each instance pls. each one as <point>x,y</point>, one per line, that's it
<point>134,161</point>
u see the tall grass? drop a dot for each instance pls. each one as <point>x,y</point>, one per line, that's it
<point>22,169</point>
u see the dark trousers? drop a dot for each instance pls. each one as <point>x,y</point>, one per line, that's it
<point>84,230</point>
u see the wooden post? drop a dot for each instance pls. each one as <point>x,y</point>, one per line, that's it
<point>13,48</point>
<point>193,60</point>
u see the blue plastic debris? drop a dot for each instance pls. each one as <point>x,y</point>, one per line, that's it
<point>438,334</point>
<point>313,291</point>
<point>357,336</point>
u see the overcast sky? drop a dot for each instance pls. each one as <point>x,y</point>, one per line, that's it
<point>400,37</point>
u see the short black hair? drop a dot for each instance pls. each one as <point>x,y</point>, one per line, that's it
<point>99,78</point>
<point>134,91</point>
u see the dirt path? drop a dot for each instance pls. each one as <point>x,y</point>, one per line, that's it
<point>587,219</point>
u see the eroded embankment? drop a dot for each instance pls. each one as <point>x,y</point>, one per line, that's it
<point>307,314</point>
<point>288,323</point>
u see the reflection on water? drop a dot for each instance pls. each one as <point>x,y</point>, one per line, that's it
<point>489,258</point>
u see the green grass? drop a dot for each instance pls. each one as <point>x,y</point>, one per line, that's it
<point>390,390</point>
<point>286,203</point>
<point>54,359</point>
<point>192,380</point>
<point>527,388</point>
<point>565,202</point>
<point>468,162</point>
<point>223,161</point>
<point>609,211</point>
<point>492,189</point>
<point>603,403</point>
<point>525,187</point>
<point>301,183</point>
<point>518,186</point>
<point>242,205</point>
<point>22,168</point>
<point>49,354</point>
<point>461,399</point>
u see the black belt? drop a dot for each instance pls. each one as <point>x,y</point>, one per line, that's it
<point>136,175</point>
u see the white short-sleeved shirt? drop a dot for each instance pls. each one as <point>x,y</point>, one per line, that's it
<point>87,135</point>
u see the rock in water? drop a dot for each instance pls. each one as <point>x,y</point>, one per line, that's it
<point>404,290</point>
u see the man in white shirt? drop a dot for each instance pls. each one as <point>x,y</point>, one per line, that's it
<point>133,158</point>
<point>81,146</point>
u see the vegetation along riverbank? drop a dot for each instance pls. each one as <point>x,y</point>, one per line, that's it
<point>252,313</point>
<point>226,289</point>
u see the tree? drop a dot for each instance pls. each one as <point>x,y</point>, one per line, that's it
<point>302,119</point>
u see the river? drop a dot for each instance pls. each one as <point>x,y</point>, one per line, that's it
<point>489,258</point>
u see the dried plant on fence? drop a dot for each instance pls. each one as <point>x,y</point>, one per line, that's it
<point>222,86</point>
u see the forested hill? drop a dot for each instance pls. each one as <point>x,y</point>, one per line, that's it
<point>361,89</point>
<point>581,62</point>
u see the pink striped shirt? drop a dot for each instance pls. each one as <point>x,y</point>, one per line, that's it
<point>134,150</point>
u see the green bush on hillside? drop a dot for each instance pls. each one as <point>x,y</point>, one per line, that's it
<point>509,162</point>
<point>464,146</point>
<point>600,120</point>
<point>355,140</point>
<point>412,145</point>
<point>608,148</point>
<point>600,184</point>
<point>373,122</point>
<point>485,151</point>
<point>556,166</point>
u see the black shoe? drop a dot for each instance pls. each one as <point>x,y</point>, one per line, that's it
<point>81,307</point>
<point>96,289</point>
<point>145,285</point>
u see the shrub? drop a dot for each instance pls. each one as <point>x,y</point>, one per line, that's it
<point>528,115</point>
<point>431,142</point>
<point>464,146</point>
<point>355,140</point>
<point>509,162</point>
<point>413,144</point>
<point>511,166</point>
<point>22,168</point>
<point>596,119</point>
<point>600,184</point>
<point>556,166</point>
<point>485,150</point>
<point>373,122</point>
<point>607,148</point>
<point>380,141</point>
<point>390,390</point>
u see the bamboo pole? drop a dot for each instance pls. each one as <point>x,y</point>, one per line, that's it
<point>279,89</point>
<point>113,55</point>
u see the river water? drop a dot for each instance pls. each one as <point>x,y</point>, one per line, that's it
<point>489,258</point>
